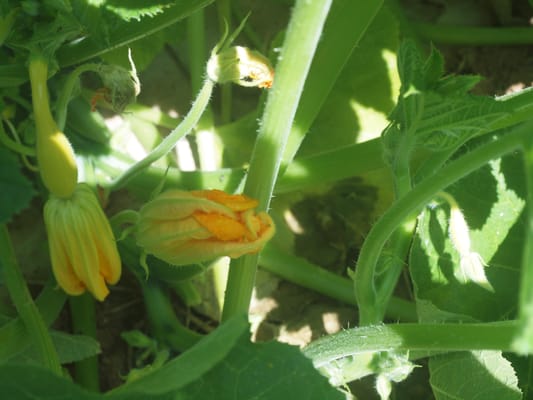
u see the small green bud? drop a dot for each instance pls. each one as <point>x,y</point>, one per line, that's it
<point>121,87</point>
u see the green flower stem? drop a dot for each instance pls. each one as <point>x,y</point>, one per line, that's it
<point>524,341</point>
<point>470,35</point>
<point>66,92</point>
<point>301,272</point>
<point>28,312</point>
<point>303,34</point>
<point>83,317</point>
<point>188,124</point>
<point>411,337</point>
<point>364,280</point>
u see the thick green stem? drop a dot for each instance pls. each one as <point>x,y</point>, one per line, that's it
<point>188,124</point>
<point>410,337</point>
<point>303,34</point>
<point>28,312</point>
<point>365,285</point>
<point>83,319</point>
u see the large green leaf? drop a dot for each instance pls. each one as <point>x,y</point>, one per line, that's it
<point>363,95</point>
<point>524,370</point>
<point>16,190</point>
<point>226,365</point>
<point>491,209</point>
<point>192,364</point>
<point>70,348</point>
<point>29,382</point>
<point>262,372</point>
<point>108,31</point>
<point>490,376</point>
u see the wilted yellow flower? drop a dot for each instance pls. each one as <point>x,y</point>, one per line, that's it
<point>242,66</point>
<point>82,245</point>
<point>190,227</point>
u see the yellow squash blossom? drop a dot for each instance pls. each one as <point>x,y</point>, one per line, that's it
<point>82,245</point>
<point>190,227</point>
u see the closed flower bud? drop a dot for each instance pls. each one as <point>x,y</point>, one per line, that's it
<point>82,245</point>
<point>57,164</point>
<point>121,86</point>
<point>190,227</point>
<point>242,66</point>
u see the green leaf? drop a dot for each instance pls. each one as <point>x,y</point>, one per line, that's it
<point>119,32</point>
<point>31,382</point>
<point>136,9</point>
<point>363,94</point>
<point>346,23</point>
<point>524,371</point>
<point>192,364</point>
<point>261,372</point>
<point>435,111</point>
<point>491,206</point>
<point>16,190</point>
<point>70,348</point>
<point>28,382</point>
<point>226,364</point>
<point>489,375</point>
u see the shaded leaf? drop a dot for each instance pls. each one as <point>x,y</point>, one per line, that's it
<point>31,382</point>
<point>70,348</point>
<point>16,190</point>
<point>524,371</point>
<point>261,372</point>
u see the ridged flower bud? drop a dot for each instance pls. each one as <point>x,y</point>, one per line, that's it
<point>82,245</point>
<point>183,228</point>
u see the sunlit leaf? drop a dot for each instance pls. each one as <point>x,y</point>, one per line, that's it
<point>490,376</point>
<point>491,210</point>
